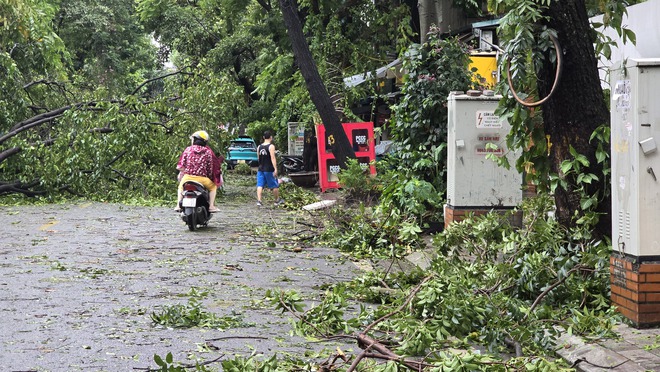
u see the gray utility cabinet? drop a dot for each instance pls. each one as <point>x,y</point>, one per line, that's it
<point>635,131</point>
<point>474,132</point>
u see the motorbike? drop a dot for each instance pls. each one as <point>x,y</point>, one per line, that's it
<point>195,205</point>
<point>292,163</point>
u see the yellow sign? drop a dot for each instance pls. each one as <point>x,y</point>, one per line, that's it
<point>486,69</point>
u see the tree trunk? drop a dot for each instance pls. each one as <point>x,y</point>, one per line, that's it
<point>342,149</point>
<point>577,107</point>
<point>427,16</point>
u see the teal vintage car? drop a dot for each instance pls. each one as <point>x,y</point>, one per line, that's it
<point>242,150</point>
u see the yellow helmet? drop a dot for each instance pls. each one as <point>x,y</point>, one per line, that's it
<point>201,134</point>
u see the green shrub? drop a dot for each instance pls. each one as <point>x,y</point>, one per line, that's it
<point>243,169</point>
<point>357,183</point>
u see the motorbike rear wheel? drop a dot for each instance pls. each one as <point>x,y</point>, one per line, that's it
<point>192,220</point>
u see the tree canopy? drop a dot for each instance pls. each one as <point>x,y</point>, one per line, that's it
<point>96,71</point>
<point>156,70</point>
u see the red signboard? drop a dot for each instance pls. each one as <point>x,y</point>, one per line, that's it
<point>361,137</point>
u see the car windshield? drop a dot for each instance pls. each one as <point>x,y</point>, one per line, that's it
<point>241,145</point>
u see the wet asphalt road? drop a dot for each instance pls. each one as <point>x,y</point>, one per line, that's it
<point>78,284</point>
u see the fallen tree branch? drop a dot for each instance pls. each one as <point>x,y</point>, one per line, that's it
<point>68,189</point>
<point>367,343</point>
<point>158,78</point>
<point>42,118</point>
<point>357,361</point>
<point>21,188</point>
<point>515,345</point>
<point>116,158</point>
<point>122,174</point>
<point>411,295</point>
<point>290,310</point>
<point>101,130</point>
<point>550,288</point>
<point>237,337</point>
<point>9,152</point>
<point>399,359</point>
<point>185,366</point>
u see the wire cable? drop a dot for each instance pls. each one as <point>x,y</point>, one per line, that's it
<point>558,53</point>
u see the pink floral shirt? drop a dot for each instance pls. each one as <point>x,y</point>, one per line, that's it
<point>197,161</point>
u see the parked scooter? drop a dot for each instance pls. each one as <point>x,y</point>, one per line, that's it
<point>195,205</point>
<point>292,163</point>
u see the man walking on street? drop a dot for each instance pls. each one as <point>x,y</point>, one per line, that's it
<point>267,172</point>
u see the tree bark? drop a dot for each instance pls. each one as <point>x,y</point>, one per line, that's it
<point>577,107</point>
<point>427,16</point>
<point>20,187</point>
<point>342,149</point>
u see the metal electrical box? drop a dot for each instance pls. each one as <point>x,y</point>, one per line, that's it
<point>296,133</point>
<point>473,132</point>
<point>635,132</point>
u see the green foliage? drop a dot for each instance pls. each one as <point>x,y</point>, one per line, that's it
<point>236,71</point>
<point>108,47</point>
<point>168,365</point>
<point>128,149</point>
<point>406,196</point>
<point>411,182</point>
<point>526,43</point>
<point>193,314</point>
<point>491,284</point>
<point>493,255</point>
<point>593,324</point>
<point>613,13</point>
<point>574,175</point>
<point>368,287</point>
<point>357,183</point>
<point>252,364</point>
<point>472,8</point>
<point>30,52</point>
<point>296,197</point>
<point>326,318</point>
<point>364,233</point>
<point>285,300</point>
<point>419,128</point>
<point>243,169</point>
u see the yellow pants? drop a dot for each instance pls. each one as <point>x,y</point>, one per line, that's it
<point>210,185</point>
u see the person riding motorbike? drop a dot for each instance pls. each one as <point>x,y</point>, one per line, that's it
<point>199,163</point>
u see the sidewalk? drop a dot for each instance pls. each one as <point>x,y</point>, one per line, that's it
<point>636,350</point>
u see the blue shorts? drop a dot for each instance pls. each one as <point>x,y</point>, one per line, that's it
<point>266,179</point>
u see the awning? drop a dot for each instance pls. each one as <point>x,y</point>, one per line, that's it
<point>390,71</point>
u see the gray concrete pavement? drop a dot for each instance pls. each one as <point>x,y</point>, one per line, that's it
<point>636,350</point>
<point>78,284</point>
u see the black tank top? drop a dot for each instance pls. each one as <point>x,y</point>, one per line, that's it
<point>265,164</point>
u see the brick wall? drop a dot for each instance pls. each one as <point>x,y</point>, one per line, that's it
<point>636,289</point>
